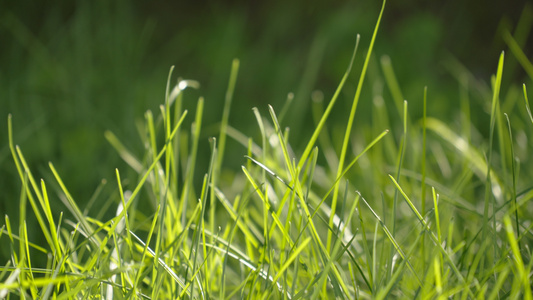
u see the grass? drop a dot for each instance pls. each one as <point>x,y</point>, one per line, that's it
<point>347,217</point>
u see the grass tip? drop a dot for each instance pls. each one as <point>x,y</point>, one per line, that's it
<point>290,96</point>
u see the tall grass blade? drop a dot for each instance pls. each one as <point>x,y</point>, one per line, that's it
<point>488,187</point>
<point>513,175</point>
<point>523,275</point>
<point>349,125</point>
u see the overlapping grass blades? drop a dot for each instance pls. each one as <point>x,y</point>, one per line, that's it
<point>291,225</point>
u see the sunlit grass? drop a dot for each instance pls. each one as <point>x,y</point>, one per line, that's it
<point>344,220</point>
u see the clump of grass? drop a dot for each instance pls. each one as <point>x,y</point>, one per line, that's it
<point>289,227</point>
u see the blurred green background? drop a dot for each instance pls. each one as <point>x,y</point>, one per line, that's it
<point>69,70</point>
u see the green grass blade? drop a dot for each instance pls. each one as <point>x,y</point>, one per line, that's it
<point>325,114</point>
<point>74,209</point>
<point>366,249</point>
<point>394,242</point>
<point>222,144</point>
<point>478,163</point>
<point>431,234</point>
<point>385,292</point>
<point>528,109</point>
<point>145,249</point>
<point>22,233</point>
<point>53,229</point>
<point>192,160</point>
<point>488,187</point>
<point>513,175</point>
<point>392,82</point>
<point>518,53</point>
<point>293,256</point>
<point>523,276</point>
<point>126,155</point>
<point>225,114</point>
<point>401,156</point>
<point>423,172</point>
<point>265,200</point>
<point>349,125</point>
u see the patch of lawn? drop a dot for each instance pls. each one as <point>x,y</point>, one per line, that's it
<point>414,210</point>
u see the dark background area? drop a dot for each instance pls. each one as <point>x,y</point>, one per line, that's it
<point>69,70</point>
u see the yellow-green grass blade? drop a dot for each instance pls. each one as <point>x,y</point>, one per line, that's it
<point>289,261</point>
<point>304,205</point>
<point>325,256</point>
<point>488,193</point>
<point>283,144</point>
<point>27,256</point>
<point>528,109</point>
<point>272,173</point>
<point>231,230</point>
<point>438,277</point>
<point>437,220</point>
<point>145,249</point>
<point>160,261</point>
<point>423,172</point>
<point>220,152</point>
<point>250,237</point>
<point>289,195</point>
<point>366,251</point>
<point>140,184</point>
<point>338,248</point>
<point>225,116</point>
<point>199,234</point>
<point>53,229</point>
<point>264,145</point>
<point>327,112</point>
<point>348,167</point>
<point>191,163</point>
<point>265,200</point>
<point>401,155</point>
<point>126,216</point>
<point>36,282</point>
<point>513,175</point>
<point>523,274</point>
<point>22,233</point>
<point>74,209</point>
<point>196,277</point>
<point>24,171</point>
